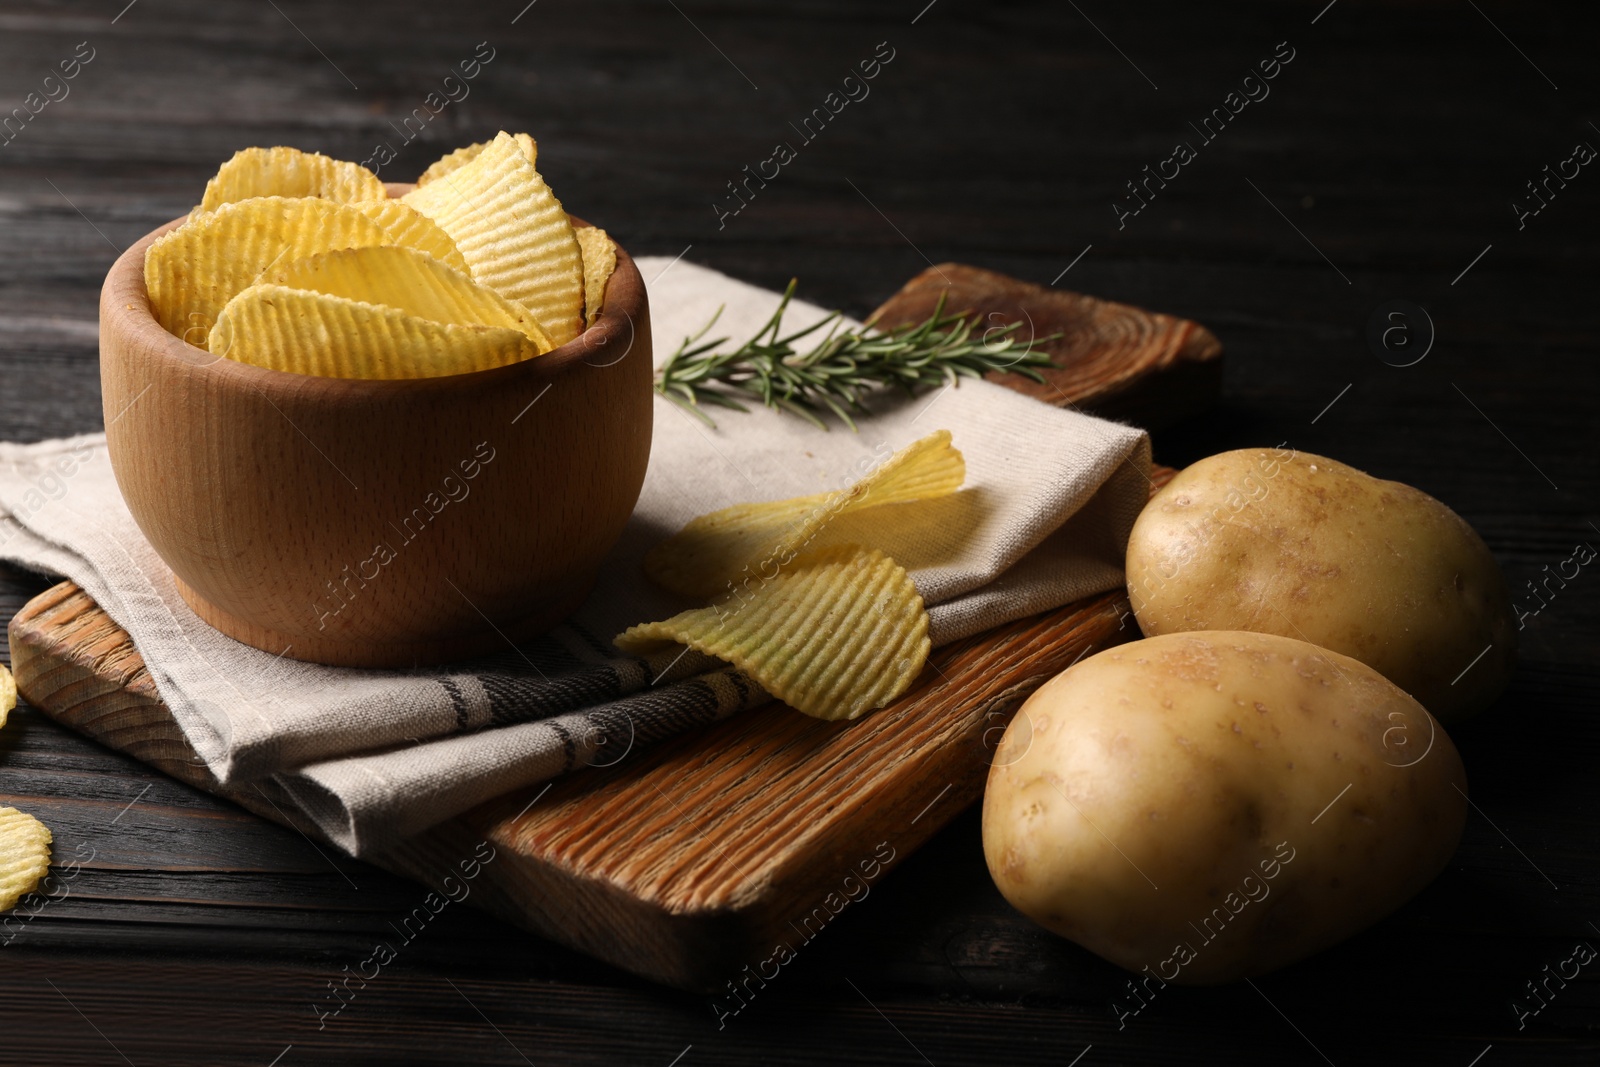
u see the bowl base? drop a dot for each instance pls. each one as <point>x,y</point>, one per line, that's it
<point>356,652</point>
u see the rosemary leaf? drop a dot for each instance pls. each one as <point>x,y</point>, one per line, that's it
<point>836,372</point>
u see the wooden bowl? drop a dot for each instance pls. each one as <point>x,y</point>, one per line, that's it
<point>378,523</point>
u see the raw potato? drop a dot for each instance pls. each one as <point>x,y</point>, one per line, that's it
<point>1302,546</point>
<point>1181,804</point>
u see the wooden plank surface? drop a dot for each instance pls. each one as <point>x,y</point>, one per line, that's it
<point>999,136</point>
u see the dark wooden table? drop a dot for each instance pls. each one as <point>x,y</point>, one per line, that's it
<point>1383,166</point>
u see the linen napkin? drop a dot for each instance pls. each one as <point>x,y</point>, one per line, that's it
<point>373,756</point>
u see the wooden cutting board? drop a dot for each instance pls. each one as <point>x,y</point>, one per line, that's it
<point>701,862</point>
<point>1111,360</point>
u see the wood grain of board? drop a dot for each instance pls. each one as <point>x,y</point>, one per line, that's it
<point>1110,359</point>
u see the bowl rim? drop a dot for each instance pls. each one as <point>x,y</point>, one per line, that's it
<point>125,300</point>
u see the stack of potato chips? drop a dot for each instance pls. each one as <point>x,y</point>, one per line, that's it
<point>302,263</point>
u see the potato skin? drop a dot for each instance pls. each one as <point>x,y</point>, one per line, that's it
<point>1178,805</point>
<point>1299,545</point>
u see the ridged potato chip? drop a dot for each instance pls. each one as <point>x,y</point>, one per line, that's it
<point>24,855</point>
<point>410,281</point>
<point>462,156</point>
<point>410,228</point>
<point>192,272</point>
<point>8,694</point>
<point>283,171</point>
<point>841,632</point>
<point>304,332</point>
<point>599,261</point>
<point>747,541</point>
<point>513,233</point>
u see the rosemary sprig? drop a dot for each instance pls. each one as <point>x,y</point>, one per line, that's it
<point>835,374</point>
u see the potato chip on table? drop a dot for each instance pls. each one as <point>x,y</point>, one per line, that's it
<point>24,855</point>
<point>8,694</point>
